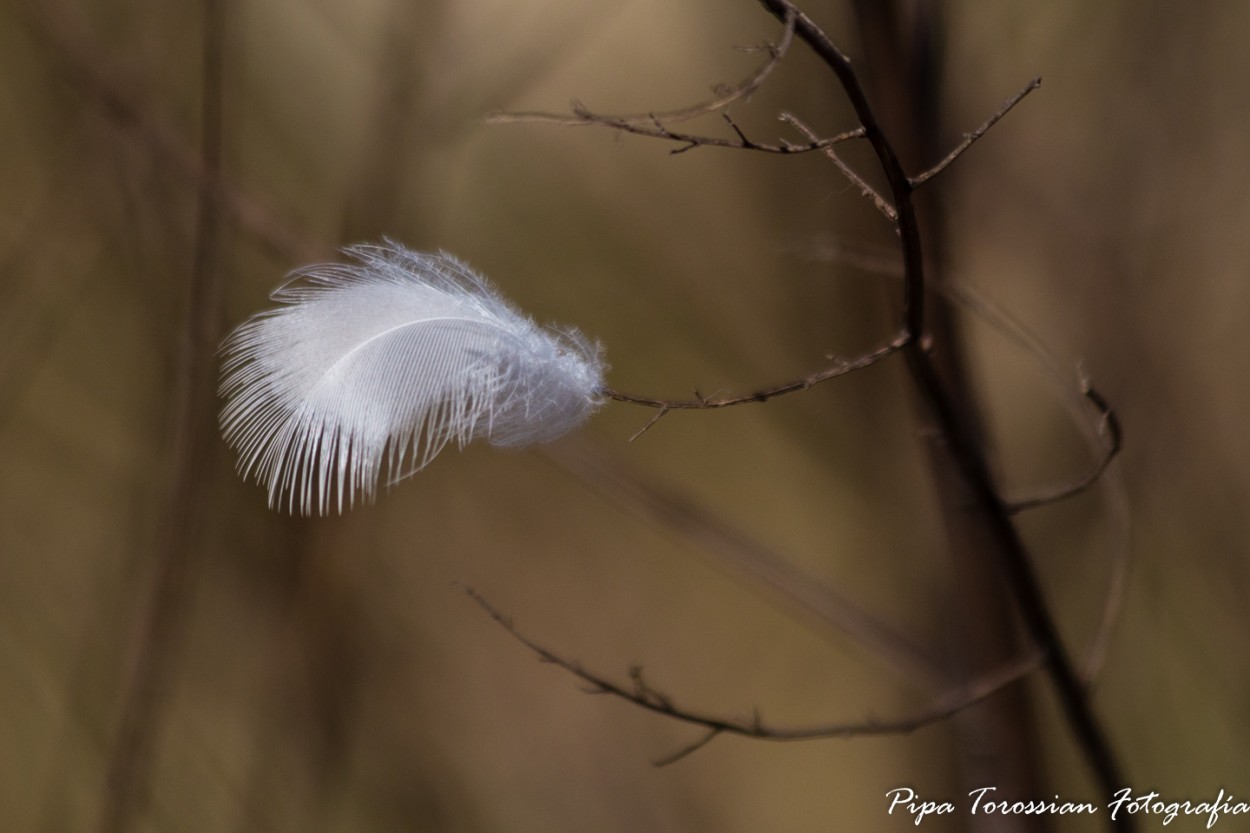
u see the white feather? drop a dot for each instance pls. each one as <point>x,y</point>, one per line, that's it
<point>380,364</point>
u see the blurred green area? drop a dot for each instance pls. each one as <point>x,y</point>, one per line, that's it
<point>326,674</point>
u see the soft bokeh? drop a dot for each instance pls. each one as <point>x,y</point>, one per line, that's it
<point>328,674</point>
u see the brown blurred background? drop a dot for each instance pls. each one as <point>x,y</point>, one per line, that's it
<point>238,670</point>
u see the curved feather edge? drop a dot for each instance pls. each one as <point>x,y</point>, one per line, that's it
<point>373,367</point>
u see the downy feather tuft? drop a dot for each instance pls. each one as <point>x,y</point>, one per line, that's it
<point>379,364</point>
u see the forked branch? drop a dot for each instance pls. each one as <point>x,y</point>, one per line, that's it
<point>655,128</point>
<point>656,124</point>
<point>726,95</point>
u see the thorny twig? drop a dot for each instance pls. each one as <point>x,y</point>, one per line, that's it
<point>643,694</point>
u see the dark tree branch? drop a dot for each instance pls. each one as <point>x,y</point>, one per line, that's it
<point>959,436</point>
<point>644,695</point>
<point>1108,437</point>
<point>906,220</point>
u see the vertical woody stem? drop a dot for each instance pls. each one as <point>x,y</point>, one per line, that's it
<point>965,450</point>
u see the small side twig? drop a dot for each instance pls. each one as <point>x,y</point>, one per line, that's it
<point>650,424</point>
<point>1109,427</point>
<point>882,204</point>
<point>645,696</point>
<point>1008,105</point>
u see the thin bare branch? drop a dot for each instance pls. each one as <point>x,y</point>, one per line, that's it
<point>643,695</point>
<point>654,128</point>
<point>841,368</point>
<point>882,204</point>
<point>1008,105</point>
<point>650,424</point>
<point>726,96</point>
<point>689,749</point>
<point>654,125</point>
<point>1109,427</point>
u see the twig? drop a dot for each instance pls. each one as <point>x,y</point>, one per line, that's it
<point>655,124</point>
<point>689,749</point>
<point>655,128</point>
<point>727,96</point>
<point>1109,426</point>
<point>917,181</point>
<point>650,424</point>
<point>882,204</point>
<point>645,696</point>
<point>841,368</point>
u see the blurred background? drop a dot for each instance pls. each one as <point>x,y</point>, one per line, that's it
<point>178,657</point>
